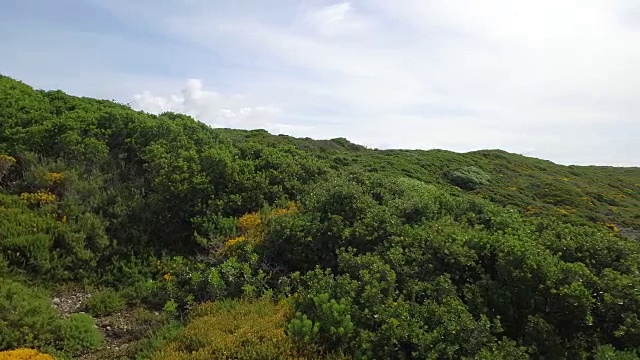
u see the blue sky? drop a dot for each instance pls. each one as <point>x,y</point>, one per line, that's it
<point>555,79</point>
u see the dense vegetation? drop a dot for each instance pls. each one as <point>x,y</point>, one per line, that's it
<point>219,243</point>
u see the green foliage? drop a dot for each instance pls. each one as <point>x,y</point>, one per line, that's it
<point>27,319</point>
<point>105,302</point>
<point>302,329</point>
<point>331,321</point>
<point>608,352</point>
<point>6,163</point>
<point>79,334</point>
<point>155,340</point>
<point>378,257</point>
<point>468,178</point>
<point>182,283</point>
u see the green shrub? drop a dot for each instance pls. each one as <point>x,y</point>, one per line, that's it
<point>28,320</point>
<point>156,339</point>
<point>6,162</point>
<point>144,321</point>
<point>331,321</point>
<point>468,178</point>
<point>26,316</point>
<point>608,352</point>
<point>79,333</point>
<point>105,302</point>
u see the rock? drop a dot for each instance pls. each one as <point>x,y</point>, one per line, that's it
<point>56,301</point>
<point>108,328</point>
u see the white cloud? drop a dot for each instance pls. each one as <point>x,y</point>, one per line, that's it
<point>335,20</point>
<point>214,109</point>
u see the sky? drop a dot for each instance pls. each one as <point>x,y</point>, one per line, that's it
<point>553,79</point>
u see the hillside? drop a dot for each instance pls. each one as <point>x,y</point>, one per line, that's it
<point>180,241</point>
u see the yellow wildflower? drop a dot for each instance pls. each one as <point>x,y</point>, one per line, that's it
<point>24,354</point>
<point>249,222</point>
<point>38,198</point>
<point>53,177</point>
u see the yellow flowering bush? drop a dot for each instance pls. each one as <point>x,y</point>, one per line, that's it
<point>612,227</point>
<point>565,210</point>
<point>24,354</point>
<point>248,222</point>
<point>53,177</point>
<point>38,198</point>
<point>233,330</point>
<point>291,207</point>
<point>7,160</point>
<point>233,242</point>
<point>252,227</point>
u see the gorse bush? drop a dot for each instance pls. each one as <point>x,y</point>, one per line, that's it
<point>239,330</point>
<point>24,354</point>
<point>38,198</point>
<point>53,177</point>
<point>252,227</point>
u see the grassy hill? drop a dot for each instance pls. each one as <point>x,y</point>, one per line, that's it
<point>180,241</point>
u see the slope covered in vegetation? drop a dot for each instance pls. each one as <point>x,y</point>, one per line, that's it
<point>330,249</point>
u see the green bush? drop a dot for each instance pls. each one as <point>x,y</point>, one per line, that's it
<point>27,320</point>
<point>331,321</point>
<point>26,317</point>
<point>104,303</point>
<point>468,178</point>
<point>79,333</point>
<point>156,339</point>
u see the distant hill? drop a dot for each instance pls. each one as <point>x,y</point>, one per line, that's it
<point>581,194</point>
